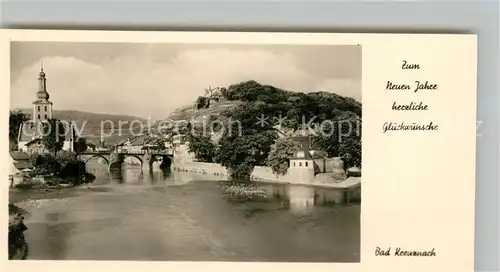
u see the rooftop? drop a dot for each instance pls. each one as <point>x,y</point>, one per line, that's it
<point>302,155</point>
<point>23,165</point>
<point>19,155</point>
<point>143,140</point>
<point>37,140</point>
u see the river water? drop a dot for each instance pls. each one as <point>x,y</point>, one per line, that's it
<point>189,217</point>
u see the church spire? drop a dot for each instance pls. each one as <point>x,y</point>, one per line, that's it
<point>42,107</point>
<point>42,85</point>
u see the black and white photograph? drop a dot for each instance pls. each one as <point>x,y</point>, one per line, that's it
<point>215,152</point>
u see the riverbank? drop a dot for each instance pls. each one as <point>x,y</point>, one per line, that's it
<point>265,175</point>
<point>22,195</point>
<point>17,246</point>
<point>349,183</point>
<point>29,200</point>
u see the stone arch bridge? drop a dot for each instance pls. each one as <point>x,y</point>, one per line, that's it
<point>114,160</point>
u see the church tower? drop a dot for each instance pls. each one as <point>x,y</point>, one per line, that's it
<point>42,107</point>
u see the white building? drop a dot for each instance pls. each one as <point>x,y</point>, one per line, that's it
<point>302,163</point>
<point>302,166</point>
<point>31,131</point>
<point>19,164</point>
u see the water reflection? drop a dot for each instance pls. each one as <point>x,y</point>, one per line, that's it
<point>301,199</point>
<point>115,177</point>
<point>60,233</point>
<point>296,199</point>
<point>129,174</point>
<point>181,216</point>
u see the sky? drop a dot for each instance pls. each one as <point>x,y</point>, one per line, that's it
<point>152,80</point>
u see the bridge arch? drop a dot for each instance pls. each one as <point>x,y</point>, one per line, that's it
<point>96,156</point>
<point>166,162</point>
<point>135,156</point>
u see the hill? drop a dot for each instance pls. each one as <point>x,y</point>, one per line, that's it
<point>188,113</point>
<point>250,95</point>
<point>312,103</point>
<point>260,109</point>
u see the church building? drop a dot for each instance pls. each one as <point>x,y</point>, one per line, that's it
<point>31,132</point>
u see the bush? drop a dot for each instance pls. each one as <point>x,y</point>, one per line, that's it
<point>73,169</point>
<point>24,186</point>
<point>13,209</point>
<point>64,166</point>
<point>202,147</point>
<point>88,177</point>
<point>202,102</point>
<point>239,191</point>
<point>46,164</point>
<point>279,157</point>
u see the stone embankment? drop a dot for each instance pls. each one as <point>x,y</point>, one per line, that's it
<point>264,174</point>
<point>18,248</point>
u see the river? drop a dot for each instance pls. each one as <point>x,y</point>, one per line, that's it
<point>183,216</point>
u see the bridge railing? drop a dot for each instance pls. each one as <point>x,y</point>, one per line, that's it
<point>100,152</point>
<point>131,152</point>
<point>145,152</point>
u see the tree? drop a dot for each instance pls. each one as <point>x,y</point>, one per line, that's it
<point>329,143</point>
<point>74,170</point>
<point>16,118</point>
<point>343,126</point>
<point>223,92</point>
<point>241,153</point>
<point>202,102</point>
<point>65,165</point>
<point>64,157</point>
<point>350,151</point>
<point>46,164</point>
<point>279,157</point>
<point>53,135</point>
<point>81,145</point>
<point>210,91</point>
<point>202,147</point>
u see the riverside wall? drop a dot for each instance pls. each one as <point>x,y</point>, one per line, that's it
<point>200,167</point>
<point>259,172</point>
<point>293,175</point>
<point>183,161</point>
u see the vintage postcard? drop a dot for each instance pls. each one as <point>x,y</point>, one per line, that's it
<point>238,151</point>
